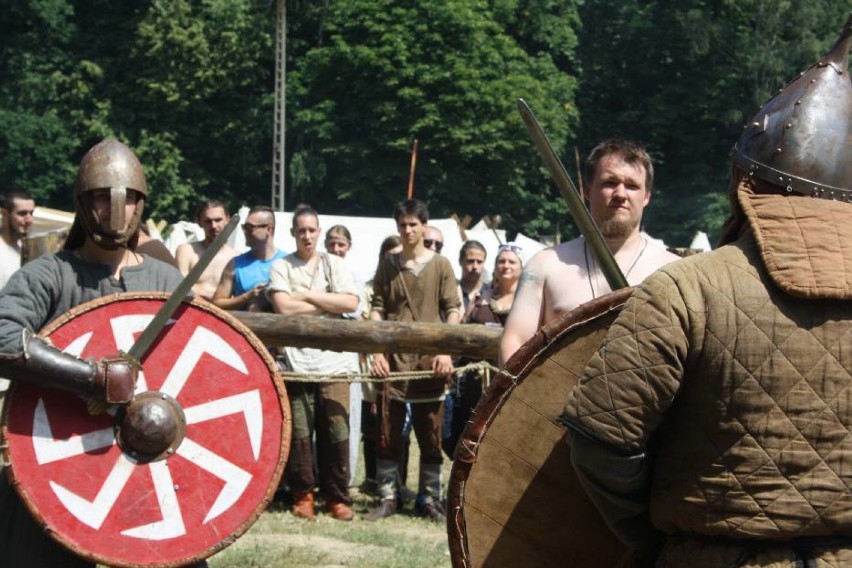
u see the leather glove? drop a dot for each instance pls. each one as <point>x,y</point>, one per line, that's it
<point>114,379</point>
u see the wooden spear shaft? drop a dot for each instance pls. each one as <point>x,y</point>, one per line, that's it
<point>410,193</point>
<point>363,336</point>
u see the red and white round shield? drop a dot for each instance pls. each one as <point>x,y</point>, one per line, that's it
<point>206,377</point>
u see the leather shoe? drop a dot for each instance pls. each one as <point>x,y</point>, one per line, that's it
<point>386,508</point>
<point>339,510</point>
<point>434,512</point>
<point>304,506</point>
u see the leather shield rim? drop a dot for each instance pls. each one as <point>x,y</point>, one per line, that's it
<point>520,365</point>
<point>277,380</point>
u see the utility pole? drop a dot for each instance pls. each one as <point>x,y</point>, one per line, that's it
<point>279,175</point>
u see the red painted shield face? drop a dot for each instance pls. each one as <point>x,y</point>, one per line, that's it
<point>112,505</point>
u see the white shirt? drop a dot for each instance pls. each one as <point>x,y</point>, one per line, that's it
<point>10,261</point>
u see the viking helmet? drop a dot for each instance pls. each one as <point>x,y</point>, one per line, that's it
<point>801,140</point>
<point>109,165</point>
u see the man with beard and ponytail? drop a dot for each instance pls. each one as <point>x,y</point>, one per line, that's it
<point>99,259</point>
<point>16,211</point>
<point>714,424</point>
<point>619,176</point>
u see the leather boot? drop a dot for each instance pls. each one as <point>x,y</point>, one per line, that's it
<point>339,510</point>
<point>304,506</point>
<point>430,488</point>
<point>386,508</point>
<point>434,512</point>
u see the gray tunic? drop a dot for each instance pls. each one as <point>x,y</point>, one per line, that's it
<point>36,294</point>
<point>51,285</point>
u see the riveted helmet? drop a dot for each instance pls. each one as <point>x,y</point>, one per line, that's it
<point>801,140</point>
<point>111,167</point>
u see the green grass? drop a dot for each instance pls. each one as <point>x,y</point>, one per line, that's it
<point>280,540</point>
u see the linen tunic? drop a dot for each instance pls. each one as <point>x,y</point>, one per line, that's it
<point>431,291</point>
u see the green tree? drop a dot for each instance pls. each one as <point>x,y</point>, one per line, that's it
<point>444,72</point>
<point>201,93</point>
<point>684,78</point>
<point>35,102</point>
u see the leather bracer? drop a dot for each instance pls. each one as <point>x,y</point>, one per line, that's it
<point>111,379</point>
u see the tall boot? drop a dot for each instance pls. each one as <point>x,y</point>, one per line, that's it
<point>386,471</point>
<point>430,488</point>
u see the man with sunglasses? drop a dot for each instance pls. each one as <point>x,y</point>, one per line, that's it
<point>246,276</point>
<point>433,239</point>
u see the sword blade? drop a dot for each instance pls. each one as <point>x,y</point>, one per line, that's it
<point>155,326</point>
<point>585,223</point>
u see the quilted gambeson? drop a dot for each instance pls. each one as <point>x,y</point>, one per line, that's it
<point>748,390</point>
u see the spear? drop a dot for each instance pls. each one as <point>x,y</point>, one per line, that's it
<point>581,215</point>
<point>411,171</point>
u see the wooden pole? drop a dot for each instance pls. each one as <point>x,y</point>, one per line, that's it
<point>410,194</point>
<point>363,336</point>
<point>579,173</point>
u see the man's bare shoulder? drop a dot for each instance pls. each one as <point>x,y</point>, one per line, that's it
<point>555,259</point>
<point>227,251</point>
<point>185,248</point>
<point>656,256</point>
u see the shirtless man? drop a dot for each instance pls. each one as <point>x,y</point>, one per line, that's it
<point>213,217</point>
<point>619,176</point>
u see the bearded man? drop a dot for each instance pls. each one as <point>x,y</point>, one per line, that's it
<point>16,211</point>
<point>618,180</point>
<point>716,418</point>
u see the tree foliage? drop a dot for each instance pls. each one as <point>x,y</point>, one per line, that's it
<point>189,85</point>
<point>444,72</point>
<point>684,78</point>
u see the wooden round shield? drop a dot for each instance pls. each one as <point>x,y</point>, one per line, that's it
<point>93,491</point>
<point>513,498</point>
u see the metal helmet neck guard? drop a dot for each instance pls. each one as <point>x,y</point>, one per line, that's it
<point>801,140</point>
<point>109,165</point>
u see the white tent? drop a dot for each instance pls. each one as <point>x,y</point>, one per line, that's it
<point>701,242</point>
<point>46,220</point>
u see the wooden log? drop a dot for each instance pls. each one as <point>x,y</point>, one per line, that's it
<point>474,341</point>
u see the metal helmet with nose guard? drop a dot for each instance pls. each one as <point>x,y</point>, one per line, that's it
<point>109,165</point>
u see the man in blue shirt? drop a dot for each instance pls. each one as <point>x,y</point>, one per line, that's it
<point>246,276</point>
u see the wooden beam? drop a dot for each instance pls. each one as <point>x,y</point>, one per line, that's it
<point>474,341</point>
